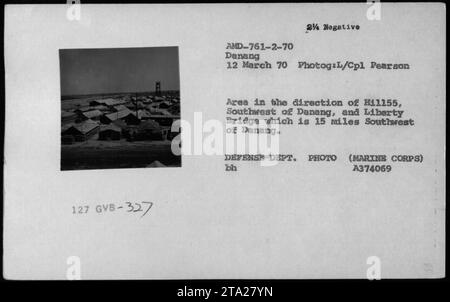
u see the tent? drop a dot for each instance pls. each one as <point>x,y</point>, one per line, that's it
<point>131,119</point>
<point>149,125</point>
<point>93,114</point>
<point>120,108</point>
<point>109,132</point>
<point>151,129</point>
<point>108,118</point>
<point>67,116</point>
<point>81,131</point>
<point>156,164</point>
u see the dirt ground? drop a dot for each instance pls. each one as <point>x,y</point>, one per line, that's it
<point>95,154</point>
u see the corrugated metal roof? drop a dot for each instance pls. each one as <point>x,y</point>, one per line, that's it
<point>100,107</point>
<point>93,113</point>
<point>141,114</point>
<point>86,126</point>
<point>111,102</point>
<point>118,115</point>
<point>161,111</point>
<point>110,127</point>
<point>120,107</point>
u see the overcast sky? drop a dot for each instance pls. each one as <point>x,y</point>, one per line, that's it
<point>110,70</point>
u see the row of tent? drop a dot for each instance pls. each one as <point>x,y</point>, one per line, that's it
<point>116,130</point>
<point>79,132</point>
<point>120,111</point>
<point>81,124</point>
<point>107,102</point>
<point>106,118</point>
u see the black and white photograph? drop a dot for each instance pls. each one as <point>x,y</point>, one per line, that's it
<point>118,106</point>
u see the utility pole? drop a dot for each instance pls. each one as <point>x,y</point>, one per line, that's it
<point>136,106</point>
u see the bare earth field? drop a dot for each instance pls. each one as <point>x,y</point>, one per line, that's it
<point>94,154</point>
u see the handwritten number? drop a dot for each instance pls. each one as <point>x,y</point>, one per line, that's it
<point>139,207</point>
<point>130,207</point>
<point>150,204</point>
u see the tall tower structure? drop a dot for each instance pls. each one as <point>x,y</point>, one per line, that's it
<point>158,88</point>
